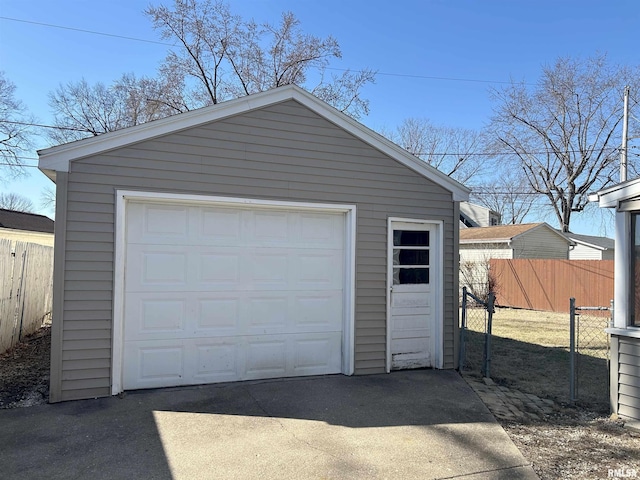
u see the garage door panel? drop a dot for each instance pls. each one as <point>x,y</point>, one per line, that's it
<point>215,361</point>
<point>270,227</point>
<point>150,268</point>
<point>317,355</point>
<point>155,316</point>
<point>266,357</point>
<point>219,226</point>
<point>154,364</point>
<point>246,294</point>
<point>322,269</point>
<point>218,316</point>
<point>221,268</point>
<point>267,314</point>
<point>318,311</point>
<point>158,224</point>
<point>321,231</point>
<point>266,268</point>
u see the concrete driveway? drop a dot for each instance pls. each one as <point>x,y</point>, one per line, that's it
<point>421,424</point>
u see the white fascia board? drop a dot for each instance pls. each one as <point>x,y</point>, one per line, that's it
<point>610,197</point>
<point>57,158</point>
<point>591,245</point>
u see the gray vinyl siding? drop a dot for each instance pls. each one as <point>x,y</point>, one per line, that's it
<point>628,354</point>
<point>283,152</point>
<point>540,243</point>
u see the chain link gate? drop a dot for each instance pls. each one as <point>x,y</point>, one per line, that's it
<point>589,350</point>
<point>475,333</point>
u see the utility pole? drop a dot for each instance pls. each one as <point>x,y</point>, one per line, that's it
<point>625,127</point>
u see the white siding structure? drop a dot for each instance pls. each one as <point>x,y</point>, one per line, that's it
<point>472,215</point>
<point>625,333</point>
<point>589,247</point>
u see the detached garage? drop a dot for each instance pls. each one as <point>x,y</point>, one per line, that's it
<point>268,236</point>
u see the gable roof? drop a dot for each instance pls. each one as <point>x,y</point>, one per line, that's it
<point>57,159</point>
<point>502,233</point>
<point>25,221</point>
<point>599,243</point>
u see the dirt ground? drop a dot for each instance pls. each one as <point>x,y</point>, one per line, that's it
<point>574,444</point>
<point>24,371</point>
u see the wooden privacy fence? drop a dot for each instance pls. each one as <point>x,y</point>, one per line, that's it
<point>548,284</point>
<point>26,287</point>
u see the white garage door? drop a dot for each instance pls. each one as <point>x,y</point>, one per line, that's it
<point>215,294</point>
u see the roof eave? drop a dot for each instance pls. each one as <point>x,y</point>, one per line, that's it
<point>611,196</point>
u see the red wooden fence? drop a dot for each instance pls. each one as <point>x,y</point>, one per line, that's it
<point>548,284</point>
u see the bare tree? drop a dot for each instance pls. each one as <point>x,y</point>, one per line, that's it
<point>222,56</point>
<point>565,131</point>
<point>82,110</point>
<point>15,128</point>
<point>454,151</point>
<point>18,203</point>
<point>48,199</point>
<point>509,194</point>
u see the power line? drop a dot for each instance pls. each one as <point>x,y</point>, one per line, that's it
<point>389,74</point>
<point>429,77</point>
<point>17,165</point>
<point>92,32</point>
<point>27,124</point>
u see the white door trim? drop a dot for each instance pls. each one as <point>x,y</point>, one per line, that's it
<point>121,200</point>
<point>439,292</point>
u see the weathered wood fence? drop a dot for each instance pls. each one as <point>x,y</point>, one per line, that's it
<point>26,286</point>
<point>548,284</point>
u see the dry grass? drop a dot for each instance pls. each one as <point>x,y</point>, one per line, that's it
<point>530,352</point>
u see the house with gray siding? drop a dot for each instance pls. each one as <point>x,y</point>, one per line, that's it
<point>268,236</point>
<point>625,332</point>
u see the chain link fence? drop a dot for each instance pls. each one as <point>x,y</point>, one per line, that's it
<point>589,350</point>
<point>475,333</point>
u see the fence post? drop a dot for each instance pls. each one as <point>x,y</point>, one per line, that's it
<point>491,299</point>
<point>462,352</point>
<point>572,350</point>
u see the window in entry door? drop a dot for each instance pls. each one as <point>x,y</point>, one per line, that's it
<point>410,257</point>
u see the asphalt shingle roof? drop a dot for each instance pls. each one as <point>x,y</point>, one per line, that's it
<point>25,221</point>
<point>499,232</point>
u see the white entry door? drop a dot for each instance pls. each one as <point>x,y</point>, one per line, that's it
<point>216,294</point>
<point>412,253</point>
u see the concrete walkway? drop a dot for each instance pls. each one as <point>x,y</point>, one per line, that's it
<point>412,425</point>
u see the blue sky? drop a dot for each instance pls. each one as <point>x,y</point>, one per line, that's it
<point>480,41</point>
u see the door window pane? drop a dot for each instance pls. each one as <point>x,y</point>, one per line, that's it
<point>410,257</point>
<point>410,238</point>
<point>409,276</point>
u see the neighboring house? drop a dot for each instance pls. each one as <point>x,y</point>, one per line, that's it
<point>528,240</point>
<point>268,236</point>
<point>479,245</point>
<point>625,333</point>
<point>26,227</point>
<point>589,247</point>
<point>472,215</point>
